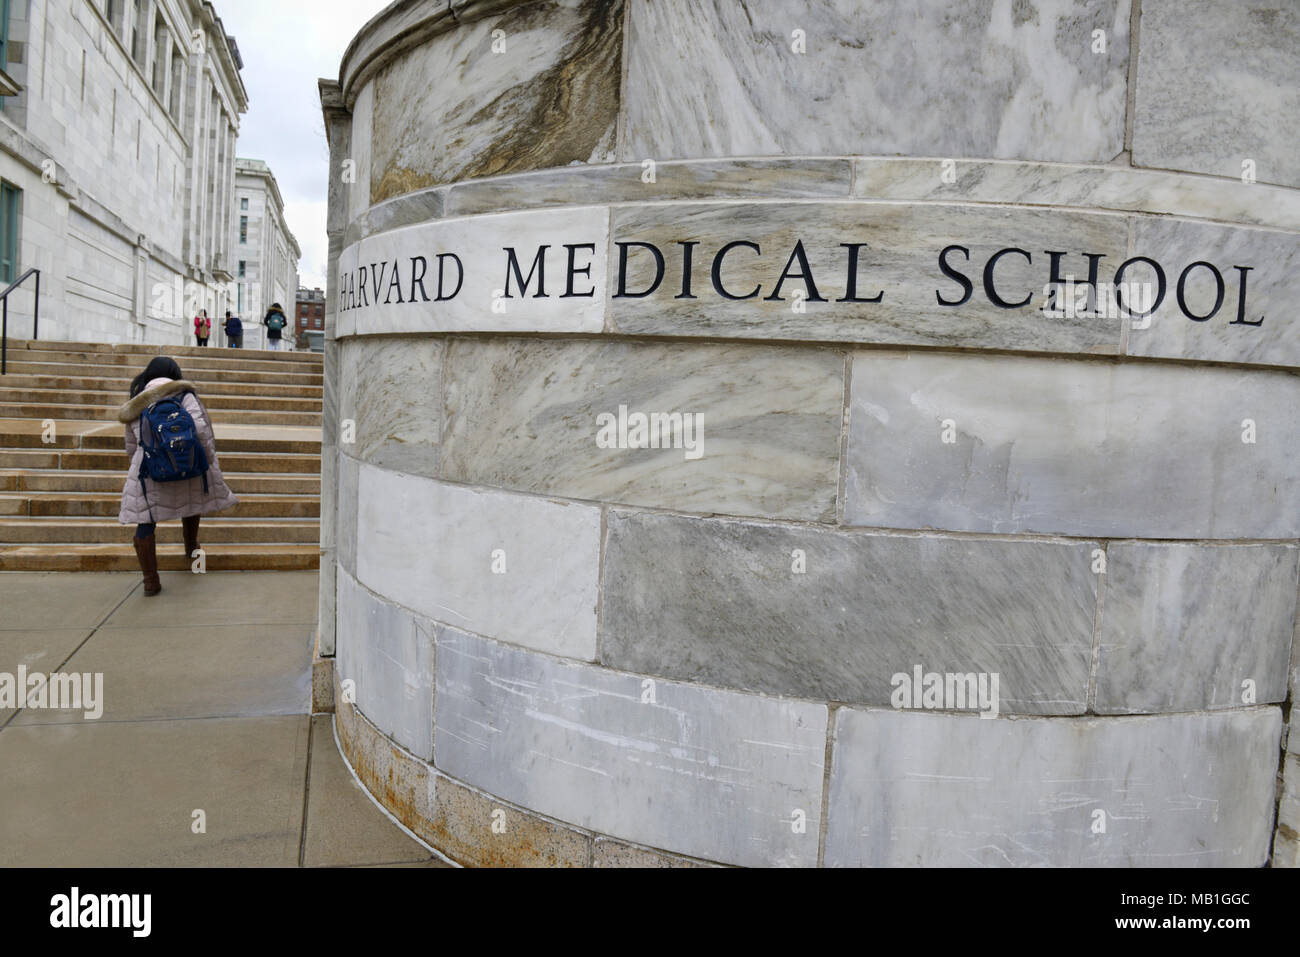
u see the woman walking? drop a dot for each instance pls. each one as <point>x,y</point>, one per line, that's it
<point>202,327</point>
<point>275,323</point>
<point>168,477</point>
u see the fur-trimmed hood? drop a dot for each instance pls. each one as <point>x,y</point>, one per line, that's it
<point>130,410</point>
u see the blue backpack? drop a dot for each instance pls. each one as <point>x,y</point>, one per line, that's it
<point>170,442</point>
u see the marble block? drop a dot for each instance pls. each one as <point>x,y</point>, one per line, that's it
<point>456,108</point>
<point>900,263</point>
<point>1214,80</point>
<point>711,774</point>
<point>433,548</point>
<point>926,790</point>
<point>392,394</point>
<point>1272,290</point>
<point>719,602</point>
<point>1075,184</point>
<point>625,183</point>
<point>479,303</point>
<point>880,78</point>
<point>348,474</point>
<point>1183,626</point>
<point>1071,447</point>
<point>524,414</point>
<point>388,655</point>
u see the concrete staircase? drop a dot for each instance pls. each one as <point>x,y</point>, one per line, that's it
<point>59,499</point>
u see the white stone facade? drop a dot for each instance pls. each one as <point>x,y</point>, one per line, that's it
<point>122,142</point>
<point>265,252</point>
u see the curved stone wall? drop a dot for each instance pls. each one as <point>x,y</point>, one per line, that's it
<point>922,573</point>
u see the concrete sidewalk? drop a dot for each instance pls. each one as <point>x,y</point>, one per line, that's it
<point>206,699</point>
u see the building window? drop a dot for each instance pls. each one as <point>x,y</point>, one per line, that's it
<point>243,203</point>
<point>10,199</point>
<point>243,230</point>
<point>239,291</point>
<point>174,96</point>
<point>241,269</point>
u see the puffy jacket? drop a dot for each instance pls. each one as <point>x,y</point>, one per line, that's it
<point>199,327</point>
<point>272,332</point>
<point>169,499</point>
<point>234,327</point>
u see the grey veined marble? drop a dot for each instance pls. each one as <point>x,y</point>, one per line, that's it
<point>1096,448</point>
<point>387,654</point>
<point>904,255</point>
<point>926,790</point>
<point>960,78</point>
<point>456,108</point>
<point>728,777</point>
<point>390,402</point>
<point>1218,84</point>
<point>1186,627</point>
<point>835,616</point>
<point>764,430</point>
<point>1257,324</point>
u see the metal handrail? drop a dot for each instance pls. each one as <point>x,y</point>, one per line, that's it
<point>4,314</point>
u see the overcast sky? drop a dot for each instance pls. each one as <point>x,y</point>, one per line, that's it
<point>286,45</point>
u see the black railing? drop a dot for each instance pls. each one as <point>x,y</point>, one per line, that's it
<point>4,315</point>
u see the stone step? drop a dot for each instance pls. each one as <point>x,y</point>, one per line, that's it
<point>113,441</point>
<point>116,460</point>
<point>140,349</point>
<point>237,359</point>
<point>121,557</point>
<point>215,529</point>
<point>11,410</point>
<point>119,389</point>
<point>67,480</point>
<point>127,373</point>
<point>214,401</point>
<point>101,505</point>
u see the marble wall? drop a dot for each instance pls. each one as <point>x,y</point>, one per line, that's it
<point>922,573</point>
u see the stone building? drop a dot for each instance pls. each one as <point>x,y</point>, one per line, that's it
<point>718,469</point>
<point>266,253</point>
<point>117,160</point>
<point>309,315</point>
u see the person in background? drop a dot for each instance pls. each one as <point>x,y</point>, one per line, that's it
<point>234,331</point>
<point>145,502</point>
<point>202,327</point>
<point>275,323</point>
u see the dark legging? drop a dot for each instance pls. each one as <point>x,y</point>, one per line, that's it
<point>145,529</point>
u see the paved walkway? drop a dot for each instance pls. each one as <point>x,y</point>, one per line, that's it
<point>206,699</point>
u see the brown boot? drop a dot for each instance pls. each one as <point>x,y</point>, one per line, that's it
<point>190,528</point>
<point>146,550</point>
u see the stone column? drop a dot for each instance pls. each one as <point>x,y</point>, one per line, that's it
<point>737,477</point>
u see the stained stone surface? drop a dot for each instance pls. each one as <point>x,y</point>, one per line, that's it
<point>706,773</point>
<point>453,109</point>
<point>390,388</point>
<point>461,825</point>
<point>730,83</point>
<point>404,210</point>
<point>479,242</point>
<point>1186,790</point>
<point>388,653</point>
<point>866,608</point>
<point>1214,80</point>
<point>622,183</point>
<point>1183,626</point>
<point>1072,184</point>
<point>432,547</point>
<point>1272,290</point>
<point>522,414</point>
<point>901,261</point>
<point>1073,447</point>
